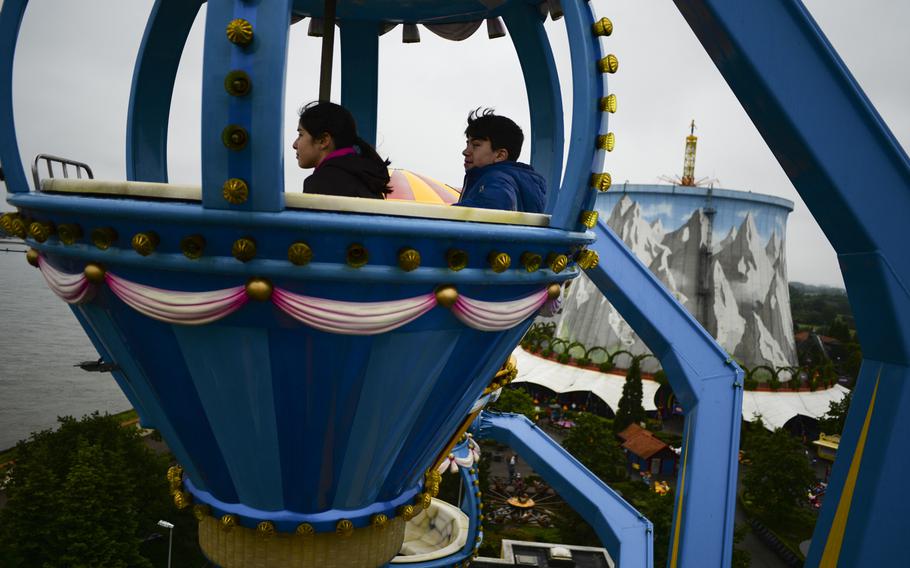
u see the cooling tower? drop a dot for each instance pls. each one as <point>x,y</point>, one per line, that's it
<point>719,251</point>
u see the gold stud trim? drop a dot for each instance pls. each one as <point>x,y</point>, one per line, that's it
<point>587,259</point>
<point>40,230</point>
<point>379,521</point>
<point>408,259</point>
<point>145,243</point>
<point>588,218</point>
<point>200,511</point>
<point>69,233</point>
<point>192,246</point>
<point>499,261</point>
<point>300,253</point>
<point>608,104</point>
<point>407,512</point>
<point>237,83</point>
<point>606,142</point>
<point>344,528</point>
<point>182,500</point>
<point>602,181</point>
<point>104,237</point>
<point>456,259</point>
<point>608,64</point>
<point>6,222</point>
<point>234,137</point>
<point>531,261</point>
<point>357,255</point>
<point>557,262</point>
<point>240,32</point>
<point>265,529</point>
<point>228,522</point>
<point>19,227</point>
<point>305,529</point>
<point>235,191</point>
<point>244,249</point>
<point>603,27</point>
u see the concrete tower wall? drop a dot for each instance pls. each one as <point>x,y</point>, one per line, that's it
<point>720,252</point>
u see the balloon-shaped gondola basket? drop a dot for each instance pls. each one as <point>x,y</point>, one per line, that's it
<point>310,360</point>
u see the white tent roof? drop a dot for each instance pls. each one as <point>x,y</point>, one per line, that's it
<point>775,408</point>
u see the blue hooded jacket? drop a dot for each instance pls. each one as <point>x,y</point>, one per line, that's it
<point>508,185</point>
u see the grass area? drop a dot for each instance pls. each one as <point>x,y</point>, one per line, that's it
<point>790,531</point>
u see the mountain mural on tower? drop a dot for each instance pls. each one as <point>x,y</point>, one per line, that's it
<point>736,286</point>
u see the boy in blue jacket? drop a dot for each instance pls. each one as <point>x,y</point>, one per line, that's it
<point>494,178</point>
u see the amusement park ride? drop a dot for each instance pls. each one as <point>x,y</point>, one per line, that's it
<point>270,337</point>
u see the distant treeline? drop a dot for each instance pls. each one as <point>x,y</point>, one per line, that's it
<point>817,308</point>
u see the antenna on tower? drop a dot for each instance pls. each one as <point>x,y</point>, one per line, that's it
<point>688,176</point>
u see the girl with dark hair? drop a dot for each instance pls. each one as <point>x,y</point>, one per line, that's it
<point>344,163</point>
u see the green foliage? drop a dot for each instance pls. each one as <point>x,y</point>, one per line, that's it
<point>592,443</point>
<point>778,474</point>
<point>84,495</point>
<point>741,558</point>
<point>833,421</point>
<point>515,399</point>
<point>661,377</point>
<point>630,409</point>
<point>839,330</point>
<point>814,306</point>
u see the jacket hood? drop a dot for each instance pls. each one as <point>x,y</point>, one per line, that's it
<point>370,172</point>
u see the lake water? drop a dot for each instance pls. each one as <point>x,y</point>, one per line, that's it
<point>40,341</point>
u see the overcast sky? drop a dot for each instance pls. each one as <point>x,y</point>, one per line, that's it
<point>74,65</point>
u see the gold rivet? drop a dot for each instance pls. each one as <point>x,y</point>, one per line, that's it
<point>32,257</point>
<point>407,512</point>
<point>606,142</point>
<point>531,261</point>
<point>553,291</point>
<point>19,227</point>
<point>588,218</point>
<point>228,522</point>
<point>357,255</point>
<point>601,182</point>
<point>41,230</point>
<point>587,259</point>
<point>456,259</point>
<point>6,222</point>
<point>259,289</point>
<point>408,259</point>
<point>557,262</point>
<point>192,246</point>
<point>305,529</point>
<point>379,521</point>
<point>234,137</point>
<point>300,253</point>
<point>69,233</point>
<point>235,191</point>
<point>499,261</point>
<point>94,273</point>
<point>344,528</point>
<point>446,296</point>
<point>423,500</point>
<point>200,512</point>
<point>237,83</point>
<point>104,237</point>
<point>603,27</point>
<point>244,249</point>
<point>265,528</point>
<point>608,64</point>
<point>181,500</point>
<point>240,32</point>
<point>175,471</point>
<point>145,243</point>
<point>608,104</point>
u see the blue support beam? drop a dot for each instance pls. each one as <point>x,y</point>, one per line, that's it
<point>165,36</point>
<point>625,533</point>
<point>11,13</point>
<point>544,97</point>
<point>855,179</point>
<point>706,382</point>
<point>360,74</point>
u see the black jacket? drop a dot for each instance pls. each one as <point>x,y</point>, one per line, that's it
<point>350,176</point>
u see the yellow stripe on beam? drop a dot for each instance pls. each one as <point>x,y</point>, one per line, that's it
<point>835,539</point>
<point>421,189</point>
<point>674,556</point>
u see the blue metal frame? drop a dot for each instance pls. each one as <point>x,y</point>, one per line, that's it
<point>625,533</point>
<point>10,20</point>
<point>360,74</point>
<point>707,383</point>
<point>855,179</point>
<point>162,45</point>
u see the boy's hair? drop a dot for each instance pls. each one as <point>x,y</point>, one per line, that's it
<point>502,132</point>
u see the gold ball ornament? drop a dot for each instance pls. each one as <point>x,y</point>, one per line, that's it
<point>531,261</point>
<point>587,259</point>
<point>553,291</point>
<point>602,181</point>
<point>557,262</point>
<point>603,27</point>
<point>94,273</point>
<point>446,296</point>
<point>608,64</point>
<point>265,529</point>
<point>174,472</point>
<point>228,522</point>
<point>32,257</point>
<point>240,32</point>
<point>305,529</point>
<point>606,142</point>
<point>69,233</point>
<point>408,259</point>
<point>237,83</point>
<point>357,256</point>
<point>259,289</point>
<point>344,528</point>
<point>499,261</point>
<point>19,227</point>
<point>145,243</point>
<point>588,218</point>
<point>407,512</point>
<point>6,222</point>
<point>192,246</point>
<point>235,191</point>
<point>181,500</point>
<point>423,500</point>
<point>244,249</point>
<point>379,521</point>
<point>234,137</point>
<point>300,254</point>
<point>41,230</point>
<point>608,104</point>
<point>456,259</point>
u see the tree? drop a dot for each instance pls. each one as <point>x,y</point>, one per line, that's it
<point>84,495</point>
<point>833,421</point>
<point>838,330</point>
<point>514,399</point>
<point>630,409</point>
<point>592,443</point>
<point>778,473</point>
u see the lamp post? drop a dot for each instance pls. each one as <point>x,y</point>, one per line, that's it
<point>170,538</point>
